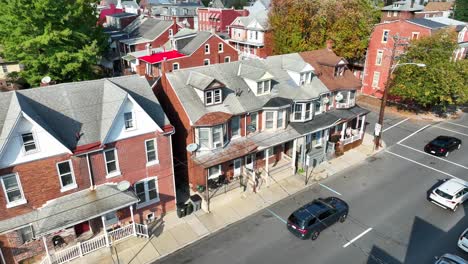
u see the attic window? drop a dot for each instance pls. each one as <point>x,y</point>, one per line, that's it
<point>396,5</point>
<point>28,142</point>
<point>213,97</point>
<point>263,87</point>
<point>305,77</point>
<point>128,119</point>
<point>339,71</point>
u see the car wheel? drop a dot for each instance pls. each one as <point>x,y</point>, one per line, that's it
<point>459,146</point>
<point>343,218</point>
<point>446,153</point>
<point>455,208</point>
<point>315,235</point>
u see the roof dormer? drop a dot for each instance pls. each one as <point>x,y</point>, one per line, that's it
<point>208,89</point>
<point>299,71</point>
<point>258,79</point>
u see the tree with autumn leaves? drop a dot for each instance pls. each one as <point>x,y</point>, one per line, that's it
<point>442,82</point>
<point>306,25</point>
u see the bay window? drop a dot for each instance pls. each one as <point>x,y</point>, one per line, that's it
<point>269,119</point>
<point>302,111</point>
<point>211,137</point>
<point>317,107</point>
<point>253,121</point>
<point>235,126</point>
<point>279,119</point>
<point>273,119</point>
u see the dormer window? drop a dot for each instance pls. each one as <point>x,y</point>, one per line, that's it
<point>396,5</point>
<point>305,77</point>
<point>339,71</point>
<point>29,143</point>
<point>263,87</point>
<point>128,120</point>
<point>213,97</point>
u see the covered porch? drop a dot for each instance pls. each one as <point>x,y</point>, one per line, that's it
<point>349,132</point>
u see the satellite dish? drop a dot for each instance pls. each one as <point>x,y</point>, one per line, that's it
<point>339,96</point>
<point>45,80</point>
<point>192,147</point>
<point>123,185</point>
<point>326,100</point>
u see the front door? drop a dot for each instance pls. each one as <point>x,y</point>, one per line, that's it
<point>249,162</point>
<point>237,167</point>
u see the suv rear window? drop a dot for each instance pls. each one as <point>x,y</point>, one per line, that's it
<point>444,195</point>
<point>294,220</point>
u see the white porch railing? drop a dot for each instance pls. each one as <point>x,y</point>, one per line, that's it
<point>348,104</point>
<point>96,243</point>
<point>352,138</point>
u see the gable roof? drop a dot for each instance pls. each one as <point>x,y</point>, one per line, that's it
<point>439,6</point>
<point>217,4</point>
<point>403,6</point>
<point>85,112</point>
<point>147,28</point>
<point>447,21</point>
<point>198,40</point>
<point>426,23</point>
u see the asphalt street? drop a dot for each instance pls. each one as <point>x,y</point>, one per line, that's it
<point>390,219</point>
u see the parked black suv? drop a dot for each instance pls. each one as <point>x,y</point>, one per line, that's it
<point>309,220</point>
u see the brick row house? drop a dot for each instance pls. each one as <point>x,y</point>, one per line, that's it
<point>81,172</point>
<point>218,19</point>
<point>237,122</point>
<point>187,48</point>
<point>381,42</point>
<point>436,9</point>
<point>184,14</point>
<point>250,34</point>
<point>405,9</point>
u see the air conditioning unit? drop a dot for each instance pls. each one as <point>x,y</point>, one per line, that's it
<point>217,145</point>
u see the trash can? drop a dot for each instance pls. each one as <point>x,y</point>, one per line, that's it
<point>188,208</point>
<point>181,210</point>
<point>196,201</point>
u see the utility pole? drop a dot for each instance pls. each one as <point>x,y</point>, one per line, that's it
<point>378,134</point>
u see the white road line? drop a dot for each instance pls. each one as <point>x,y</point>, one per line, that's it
<point>456,124</point>
<point>412,134</point>
<point>277,216</point>
<point>453,131</point>
<point>454,163</point>
<point>358,237</point>
<point>330,189</point>
<point>443,172</point>
<point>395,124</point>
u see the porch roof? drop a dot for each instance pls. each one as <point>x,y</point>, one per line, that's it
<point>71,209</point>
<point>266,139</point>
<point>319,122</point>
<point>350,113</point>
<point>236,148</point>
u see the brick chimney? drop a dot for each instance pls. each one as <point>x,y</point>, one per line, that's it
<point>330,45</point>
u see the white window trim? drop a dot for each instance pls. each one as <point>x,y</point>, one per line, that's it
<point>270,153</point>
<point>211,143</point>
<point>213,101</point>
<point>275,119</point>
<point>32,233</point>
<point>373,78</point>
<point>206,60</point>
<point>207,46</point>
<point>36,143</point>
<point>156,161</point>
<point>415,33</point>
<point>263,87</point>
<point>239,128</point>
<point>395,13</point>
<point>148,202</point>
<point>215,175</point>
<point>317,111</point>
<point>256,121</point>
<point>220,45</point>
<point>178,66</point>
<point>303,112</point>
<point>228,59</point>
<point>377,57</point>
<point>117,166</point>
<point>383,35</point>
<point>15,203</point>
<point>71,186</point>
<point>134,127</point>
<point>171,33</point>
<point>389,14</point>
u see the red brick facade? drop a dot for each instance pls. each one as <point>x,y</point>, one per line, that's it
<point>155,43</point>
<point>375,86</point>
<point>218,19</point>
<point>396,15</point>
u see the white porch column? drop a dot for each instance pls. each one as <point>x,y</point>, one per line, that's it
<point>267,164</point>
<point>363,123</point>
<point>133,220</point>
<point>357,122</point>
<point>343,131</point>
<point>294,154</point>
<point>105,230</point>
<point>46,249</point>
<point>1,257</point>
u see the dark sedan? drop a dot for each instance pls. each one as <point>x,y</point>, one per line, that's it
<point>443,145</point>
<point>308,221</point>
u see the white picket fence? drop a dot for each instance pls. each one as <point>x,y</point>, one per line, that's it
<point>352,138</point>
<point>96,243</point>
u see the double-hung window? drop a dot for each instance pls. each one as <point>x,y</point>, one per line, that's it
<point>302,111</point>
<point>385,36</point>
<point>151,151</point>
<point>29,144</point>
<point>378,59</point>
<point>13,190</point>
<point>298,111</point>
<point>263,87</point>
<point>147,191</point>
<point>112,164</point>
<point>308,111</point>
<point>213,97</point>
<point>220,47</point>
<point>318,107</point>
<point>204,137</point>
<point>217,136</point>
<point>235,126</point>
<point>279,118</point>
<point>66,175</point>
<point>253,121</point>
<point>207,48</point>
<point>269,117</point>
<point>128,118</point>
<point>214,172</point>
<point>376,79</point>
<point>26,234</point>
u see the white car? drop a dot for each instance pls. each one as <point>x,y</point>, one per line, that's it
<point>450,194</point>
<point>463,241</point>
<point>450,259</point>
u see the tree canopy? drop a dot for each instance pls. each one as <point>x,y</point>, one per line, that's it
<point>461,10</point>
<point>442,82</point>
<point>306,25</point>
<point>56,38</point>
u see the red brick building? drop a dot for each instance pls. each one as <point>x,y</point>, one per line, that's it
<point>380,46</point>
<point>72,169</point>
<point>187,49</point>
<point>404,9</point>
<point>218,19</point>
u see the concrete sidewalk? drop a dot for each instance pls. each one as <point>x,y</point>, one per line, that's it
<point>171,233</point>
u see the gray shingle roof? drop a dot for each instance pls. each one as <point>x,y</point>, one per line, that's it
<point>196,42</point>
<point>71,209</point>
<point>403,6</point>
<point>245,101</point>
<point>69,109</point>
<point>199,80</point>
<point>149,28</point>
<point>427,23</point>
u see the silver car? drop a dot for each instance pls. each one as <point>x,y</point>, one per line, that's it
<point>450,259</point>
<point>463,241</point>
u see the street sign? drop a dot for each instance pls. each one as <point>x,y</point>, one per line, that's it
<point>377,129</point>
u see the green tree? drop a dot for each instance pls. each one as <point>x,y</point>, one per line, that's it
<point>306,25</point>
<point>461,10</point>
<point>442,82</point>
<point>58,38</point>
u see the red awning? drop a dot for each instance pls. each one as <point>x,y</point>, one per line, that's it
<point>158,57</point>
<point>216,16</point>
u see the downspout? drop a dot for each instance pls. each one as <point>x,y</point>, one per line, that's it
<point>90,172</point>
<point>172,164</point>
